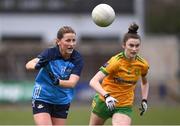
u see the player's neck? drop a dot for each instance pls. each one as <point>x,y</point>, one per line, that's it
<point>64,54</point>
<point>128,57</point>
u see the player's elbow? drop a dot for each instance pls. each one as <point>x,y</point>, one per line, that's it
<point>27,66</point>
<point>72,85</point>
<point>30,65</point>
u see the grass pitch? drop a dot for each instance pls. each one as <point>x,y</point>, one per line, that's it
<point>79,115</point>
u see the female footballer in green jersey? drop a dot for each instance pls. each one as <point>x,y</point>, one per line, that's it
<point>115,83</point>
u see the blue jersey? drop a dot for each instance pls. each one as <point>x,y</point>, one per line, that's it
<point>52,61</point>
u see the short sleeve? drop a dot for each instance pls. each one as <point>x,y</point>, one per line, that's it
<point>110,66</point>
<point>43,59</point>
<point>79,63</point>
<point>145,70</point>
<point>43,54</point>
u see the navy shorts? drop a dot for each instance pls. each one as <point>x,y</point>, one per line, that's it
<point>57,111</point>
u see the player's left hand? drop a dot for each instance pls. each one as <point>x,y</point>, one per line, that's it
<point>54,79</point>
<point>144,107</point>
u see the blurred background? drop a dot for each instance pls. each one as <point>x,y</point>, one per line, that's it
<point>29,26</point>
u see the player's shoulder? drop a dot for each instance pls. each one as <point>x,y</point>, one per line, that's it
<point>118,56</point>
<point>77,58</point>
<point>76,54</point>
<point>46,52</point>
<point>53,52</point>
<point>142,60</point>
<point>53,49</point>
<point>50,50</point>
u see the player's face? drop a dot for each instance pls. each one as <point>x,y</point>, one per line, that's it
<point>132,47</point>
<point>67,43</point>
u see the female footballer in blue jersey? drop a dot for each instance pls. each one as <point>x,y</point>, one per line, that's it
<point>59,71</point>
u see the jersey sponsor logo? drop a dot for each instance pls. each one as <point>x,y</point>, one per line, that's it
<point>119,80</point>
<point>40,106</point>
<point>62,68</point>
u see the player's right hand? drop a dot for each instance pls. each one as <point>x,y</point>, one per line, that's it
<point>110,102</point>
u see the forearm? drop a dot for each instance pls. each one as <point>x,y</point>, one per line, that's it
<point>70,83</point>
<point>145,90</point>
<point>67,83</point>
<point>95,83</point>
<point>97,87</point>
<point>31,64</point>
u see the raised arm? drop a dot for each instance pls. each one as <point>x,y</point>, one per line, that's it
<point>30,65</point>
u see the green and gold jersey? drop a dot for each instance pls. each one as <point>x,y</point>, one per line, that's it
<point>122,76</point>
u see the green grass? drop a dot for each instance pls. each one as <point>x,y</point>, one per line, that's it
<point>79,115</point>
<point>15,116</point>
<point>158,116</point>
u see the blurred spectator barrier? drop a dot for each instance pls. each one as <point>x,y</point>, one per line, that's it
<point>15,91</point>
<point>84,93</point>
<point>12,92</point>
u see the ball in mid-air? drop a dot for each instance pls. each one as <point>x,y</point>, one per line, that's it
<point>103,15</point>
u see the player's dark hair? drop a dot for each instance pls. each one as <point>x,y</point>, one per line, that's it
<point>132,33</point>
<point>63,30</point>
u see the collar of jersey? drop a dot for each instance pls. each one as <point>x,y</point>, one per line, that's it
<point>128,58</point>
<point>60,55</point>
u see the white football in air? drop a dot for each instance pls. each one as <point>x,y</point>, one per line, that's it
<point>103,15</point>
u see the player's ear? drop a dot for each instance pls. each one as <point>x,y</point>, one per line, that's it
<point>57,41</point>
<point>123,46</point>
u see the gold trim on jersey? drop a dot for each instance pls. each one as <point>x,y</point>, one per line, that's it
<point>120,55</point>
<point>140,59</point>
<point>102,70</point>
